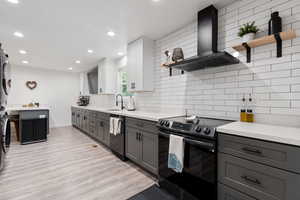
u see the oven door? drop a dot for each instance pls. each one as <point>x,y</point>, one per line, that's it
<point>199,176</point>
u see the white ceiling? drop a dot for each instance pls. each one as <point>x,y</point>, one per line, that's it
<point>58,32</point>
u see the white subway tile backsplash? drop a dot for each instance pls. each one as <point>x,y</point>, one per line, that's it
<point>295,104</point>
<point>272,89</point>
<point>296,72</point>
<point>217,92</point>
<point>296,88</point>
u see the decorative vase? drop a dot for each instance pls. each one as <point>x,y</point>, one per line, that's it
<point>247,37</point>
<point>177,54</point>
<point>275,23</point>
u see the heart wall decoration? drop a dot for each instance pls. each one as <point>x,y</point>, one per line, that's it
<point>31,84</point>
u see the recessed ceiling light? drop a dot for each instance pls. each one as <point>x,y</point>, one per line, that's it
<point>77,61</point>
<point>22,52</point>
<point>155,0</point>
<point>18,34</point>
<point>90,51</point>
<point>13,1</point>
<point>111,33</point>
<point>120,54</point>
<point>70,68</point>
<point>25,62</point>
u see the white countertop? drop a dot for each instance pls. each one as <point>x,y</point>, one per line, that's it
<point>20,108</point>
<point>151,116</point>
<point>273,133</point>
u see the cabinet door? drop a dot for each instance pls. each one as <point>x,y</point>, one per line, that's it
<point>99,134</point>
<point>73,117</point>
<point>132,144</point>
<point>26,131</point>
<point>130,67</point>
<point>86,122</point>
<point>107,73</point>
<point>81,121</point>
<point>135,66</point>
<point>101,77</point>
<point>227,193</point>
<point>39,129</point>
<point>140,67</point>
<point>106,135</point>
<point>260,181</point>
<point>77,119</point>
<point>149,151</point>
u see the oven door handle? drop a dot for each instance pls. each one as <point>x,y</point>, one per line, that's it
<point>205,145</point>
<point>164,135</point>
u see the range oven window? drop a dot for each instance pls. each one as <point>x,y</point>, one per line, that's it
<point>198,179</point>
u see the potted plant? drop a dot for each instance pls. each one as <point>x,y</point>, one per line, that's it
<point>247,31</point>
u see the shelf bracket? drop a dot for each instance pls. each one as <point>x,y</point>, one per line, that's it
<point>171,71</point>
<point>279,44</point>
<point>248,49</point>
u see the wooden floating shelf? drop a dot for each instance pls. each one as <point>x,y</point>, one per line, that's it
<point>288,35</point>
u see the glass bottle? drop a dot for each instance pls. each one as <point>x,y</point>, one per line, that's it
<point>243,115</point>
<point>250,114</point>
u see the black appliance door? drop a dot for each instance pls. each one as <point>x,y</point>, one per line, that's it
<point>117,142</point>
<point>6,79</point>
<point>198,179</point>
<point>5,132</point>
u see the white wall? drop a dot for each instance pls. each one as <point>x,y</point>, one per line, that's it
<point>217,92</point>
<point>56,89</point>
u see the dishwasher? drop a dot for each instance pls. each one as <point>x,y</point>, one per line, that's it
<point>117,142</point>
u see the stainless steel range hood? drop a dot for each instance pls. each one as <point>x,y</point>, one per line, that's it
<point>208,55</point>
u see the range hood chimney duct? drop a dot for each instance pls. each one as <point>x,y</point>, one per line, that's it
<point>207,54</point>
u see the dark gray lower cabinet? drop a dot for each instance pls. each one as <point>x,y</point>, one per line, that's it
<point>102,131</point>
<point>141,142</point>
<point>142,148</point>
<point>252,177</point>
<point>149,151</point>
<point>95,124</point>
<point>227,193</point>
<point>132,144</point>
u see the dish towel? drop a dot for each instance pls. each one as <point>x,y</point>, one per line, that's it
<point>111,125</point>
<point>115,126</point>
<point>176,153</point>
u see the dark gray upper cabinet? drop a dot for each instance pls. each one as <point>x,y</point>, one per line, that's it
<point>142,143</point>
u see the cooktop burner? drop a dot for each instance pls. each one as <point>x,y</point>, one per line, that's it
<point>195,126</point>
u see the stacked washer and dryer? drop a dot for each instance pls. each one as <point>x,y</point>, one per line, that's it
<point>5,85</point>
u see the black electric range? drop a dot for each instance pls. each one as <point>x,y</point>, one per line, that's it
<point>199,177</point>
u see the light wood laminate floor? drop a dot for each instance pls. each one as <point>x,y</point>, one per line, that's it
<point>68,167</point>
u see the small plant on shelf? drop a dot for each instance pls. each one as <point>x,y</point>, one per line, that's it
<point>247,31</point>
